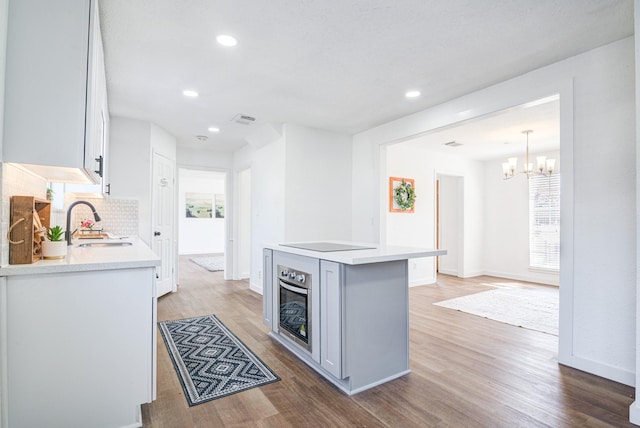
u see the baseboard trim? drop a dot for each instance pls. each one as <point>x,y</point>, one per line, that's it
<point>255,288</point>
<point>528,278</point>
<point>634,412</point>
<point>615,374</point>
<point>421,281</point>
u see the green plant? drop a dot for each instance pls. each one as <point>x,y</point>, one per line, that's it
<point>55,234</point>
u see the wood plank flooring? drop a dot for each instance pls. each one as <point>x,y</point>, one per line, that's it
<point>467,371</point>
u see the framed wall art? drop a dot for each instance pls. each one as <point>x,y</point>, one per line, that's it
<point>402,195</point>
<point>198,205</point>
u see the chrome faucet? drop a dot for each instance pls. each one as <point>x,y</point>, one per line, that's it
<point>68,234</point>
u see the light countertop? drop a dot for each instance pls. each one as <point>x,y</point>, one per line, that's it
<point>380,253</point>
<point>79,259</point>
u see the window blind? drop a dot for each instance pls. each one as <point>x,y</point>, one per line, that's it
<point>544,222</point>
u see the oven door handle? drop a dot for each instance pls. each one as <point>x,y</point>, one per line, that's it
<point>293,289</point>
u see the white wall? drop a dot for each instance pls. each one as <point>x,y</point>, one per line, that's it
<point>598,261</point>
<point>130,167</point>
<point>318,185</point>
<point>267,204</point>
<point>634,409</point>
<point>207,159</point>
<point>451,220</point>
<point>506,246</point>
<point>162,142</point>
<point>243,237</point>
<point>200,235</point>
<point>300,189</point>
<point>418,229</point>
<point>131,144</point>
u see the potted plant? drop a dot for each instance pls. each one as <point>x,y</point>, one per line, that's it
<point>54,246</point>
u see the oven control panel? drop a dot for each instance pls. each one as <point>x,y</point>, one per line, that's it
<point>293,276</point>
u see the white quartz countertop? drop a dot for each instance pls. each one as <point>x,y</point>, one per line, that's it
<point>379,253</point>
<point>80,259</point>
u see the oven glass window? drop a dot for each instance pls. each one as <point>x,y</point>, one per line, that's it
<point>293,314</point>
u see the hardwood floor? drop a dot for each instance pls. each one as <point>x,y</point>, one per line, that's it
<point>467,371</point>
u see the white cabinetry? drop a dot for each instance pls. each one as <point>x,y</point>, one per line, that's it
<point>331,316</point>
<point>80,347</point>
<point>55,96</point>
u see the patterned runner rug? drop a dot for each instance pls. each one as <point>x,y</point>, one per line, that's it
<point>210,360</point>
<point>210,263</point>
<point>534,309</point>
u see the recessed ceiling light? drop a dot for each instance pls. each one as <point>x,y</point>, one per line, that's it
<point>214,129</point>
<point>412,94</point>
<point>226,40</point>
<point>189,93</point>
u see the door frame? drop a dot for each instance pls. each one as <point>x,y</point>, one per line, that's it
<point>228,215</point>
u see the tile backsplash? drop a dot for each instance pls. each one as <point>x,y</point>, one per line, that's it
<point>119,216</point>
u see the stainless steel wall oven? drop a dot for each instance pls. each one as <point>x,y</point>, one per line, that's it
<point>294,303</point>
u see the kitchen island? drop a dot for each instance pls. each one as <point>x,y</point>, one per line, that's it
<point>342,308</point>
<point>78,337</point>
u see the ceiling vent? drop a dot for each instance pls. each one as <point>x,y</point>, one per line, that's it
<point>243,119</point>
<point>453,144</point>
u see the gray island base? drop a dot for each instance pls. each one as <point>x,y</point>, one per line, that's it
<point>352,325</point>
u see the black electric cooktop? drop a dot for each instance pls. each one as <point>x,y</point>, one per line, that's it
<point>326,247</point>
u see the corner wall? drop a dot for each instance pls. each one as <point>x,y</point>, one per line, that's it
<point>300,190</point>
<point>506,243</point>
<point>418,229</point>
<point>318,185</point>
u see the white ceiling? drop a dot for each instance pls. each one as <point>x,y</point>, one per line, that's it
<point>338,65</point>
<point>500,135</point>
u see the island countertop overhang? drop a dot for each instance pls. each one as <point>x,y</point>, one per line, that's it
<point>379,253</point>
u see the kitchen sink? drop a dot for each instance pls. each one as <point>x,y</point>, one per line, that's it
<point>105,244</point>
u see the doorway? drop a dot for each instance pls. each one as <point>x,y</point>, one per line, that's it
<point>202,217</point>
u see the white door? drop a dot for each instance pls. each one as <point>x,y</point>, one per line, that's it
<point>162,222</point>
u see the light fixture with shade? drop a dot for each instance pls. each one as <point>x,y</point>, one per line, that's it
<point>543,166</point>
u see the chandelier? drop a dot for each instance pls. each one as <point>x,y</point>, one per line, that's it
<point>544,166</point>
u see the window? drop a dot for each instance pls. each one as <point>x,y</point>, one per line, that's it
<point>544,222</point>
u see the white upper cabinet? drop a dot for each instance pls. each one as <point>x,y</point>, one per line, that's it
<point>56,112</point>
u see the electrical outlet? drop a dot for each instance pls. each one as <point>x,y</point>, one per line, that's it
<point>413,266</point>
<point>259,274</point>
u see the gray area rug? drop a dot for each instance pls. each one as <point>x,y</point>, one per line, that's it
<point>211,362</point>
<point>531,308</point>
<point>210,263</point>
